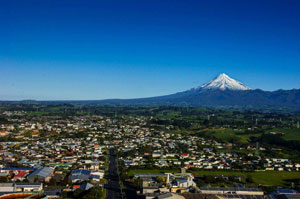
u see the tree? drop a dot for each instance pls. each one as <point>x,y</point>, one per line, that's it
<point>200,183</point>
<point>209,179</point>
<point>249,179</point>
<point>78,193</point>
<point>160,179</point>
<point>52,182</point>
<point>135,182</point>
<point>25,180</point>
<point>3,179</point>
<point>93,193</point>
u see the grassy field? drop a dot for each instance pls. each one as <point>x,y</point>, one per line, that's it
<point>274,177</point>
<point>290,134</point>
<point>270,178</point>
<point>227,134</point>
<point>131,172</point>
<point>260,177</point>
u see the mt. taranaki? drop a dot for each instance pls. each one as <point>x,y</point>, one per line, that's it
<point>223,82</point>
<point>221,91</point>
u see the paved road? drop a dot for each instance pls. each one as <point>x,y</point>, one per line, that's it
<point>112,186</point>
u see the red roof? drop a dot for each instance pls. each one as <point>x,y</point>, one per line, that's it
<point>20,174</point>
<point>76,186</point>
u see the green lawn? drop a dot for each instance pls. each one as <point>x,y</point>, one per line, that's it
<point>131,172</point>
<point>259,177</point>
<point>227,134</point>
<point>274,177</point>
<point>271,178</point>
<point>290,134</point>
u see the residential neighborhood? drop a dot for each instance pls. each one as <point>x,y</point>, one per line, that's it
<point>54,156</point>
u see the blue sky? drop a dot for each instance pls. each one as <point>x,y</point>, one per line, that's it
<point>127,49</point>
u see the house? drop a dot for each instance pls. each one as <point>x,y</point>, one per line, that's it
<point>20,187</point>
<point>7,187</point>
<point>286,191</point>
<point>20,176</point>
<point>184,155</point>
<point>97,175</point>
<point>17,169</point>
<point>28,187</point>
<point>85,186</point>
<point>41,174</point>
<point>53,193</point>
<point>79,175</point>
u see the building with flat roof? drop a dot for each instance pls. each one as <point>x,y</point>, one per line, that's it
<point>20,187</point>
<point>231,190</point>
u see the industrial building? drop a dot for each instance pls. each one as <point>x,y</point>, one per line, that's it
<point>41,174</point>
<point>231,190</point>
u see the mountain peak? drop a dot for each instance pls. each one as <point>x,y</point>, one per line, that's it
<point>223,82</point>
<point>223,75</point>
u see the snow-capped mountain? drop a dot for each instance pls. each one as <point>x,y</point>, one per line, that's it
<point>222,91</point>
<point>223,82</point>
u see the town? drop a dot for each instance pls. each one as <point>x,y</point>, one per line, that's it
<point>120,155</point>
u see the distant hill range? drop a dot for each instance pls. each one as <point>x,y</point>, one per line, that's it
<point>222,91</point>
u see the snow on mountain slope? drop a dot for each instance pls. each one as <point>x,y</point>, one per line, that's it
<point>223,82</point>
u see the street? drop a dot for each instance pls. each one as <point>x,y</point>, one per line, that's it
<point>112,186</point>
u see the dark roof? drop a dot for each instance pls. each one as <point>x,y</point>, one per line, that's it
<point>81,171</point>
<point>28,184</point>
<point>286,191</point>
<point>289,196</point>
<point>229,189</point>
<point>42,172</point>
<point>53,193</point>
<point>94,176</point>
<point>232,196</point>
<point>250,196</point>
<point>86,186</point>
<point>80,174</point>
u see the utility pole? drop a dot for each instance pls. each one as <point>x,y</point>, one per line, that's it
<point>298,125</point>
